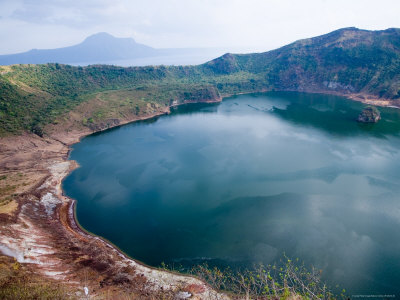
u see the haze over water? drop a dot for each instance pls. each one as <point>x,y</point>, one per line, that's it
<point>247,180</point>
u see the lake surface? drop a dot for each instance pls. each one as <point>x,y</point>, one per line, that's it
<point>247,180</point>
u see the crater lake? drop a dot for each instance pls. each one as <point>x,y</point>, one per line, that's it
<point>248,180</point>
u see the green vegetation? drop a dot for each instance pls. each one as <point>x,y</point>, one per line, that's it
<point>288,280</point>
<point>32,96</point>
<point>279,281</point>
<point>344,61</point>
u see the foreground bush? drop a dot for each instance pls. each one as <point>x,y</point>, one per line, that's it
<point>287,280</point>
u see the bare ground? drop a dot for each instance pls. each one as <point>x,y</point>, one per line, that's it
<point>38,228</point>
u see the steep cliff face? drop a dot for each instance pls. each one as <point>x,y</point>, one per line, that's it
<point>199,94</point>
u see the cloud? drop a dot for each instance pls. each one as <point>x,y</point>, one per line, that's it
<point>256,24</point>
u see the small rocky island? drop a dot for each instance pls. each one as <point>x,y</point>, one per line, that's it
<point>370,114</point>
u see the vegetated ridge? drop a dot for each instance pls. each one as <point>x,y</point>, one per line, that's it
<point>360,64</point>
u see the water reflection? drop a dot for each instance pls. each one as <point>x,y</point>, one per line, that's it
<point>248,179</point>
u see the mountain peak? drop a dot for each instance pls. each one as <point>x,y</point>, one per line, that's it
<point>350,29</point>
<point>104,37</point>
<point>100,35</point>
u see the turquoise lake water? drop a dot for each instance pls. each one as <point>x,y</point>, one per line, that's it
<point>248,179</point>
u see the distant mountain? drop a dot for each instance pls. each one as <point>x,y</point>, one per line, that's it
<point>103,48</point>
<point>98,47</point>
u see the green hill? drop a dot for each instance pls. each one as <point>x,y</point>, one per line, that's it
<point>348,62</point>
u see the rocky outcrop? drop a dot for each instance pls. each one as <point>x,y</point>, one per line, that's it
<point>104,125</point>
<point>199,94</point>
<point>370,114</point>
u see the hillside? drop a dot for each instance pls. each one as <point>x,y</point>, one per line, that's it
<point>348,60</point>
<point>360,64</point>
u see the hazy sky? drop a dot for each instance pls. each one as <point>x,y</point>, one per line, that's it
<point>253,24</point>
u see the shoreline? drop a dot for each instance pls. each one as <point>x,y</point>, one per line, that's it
<point>58,210</point>
<point>75,226</point>
<point>73,202</point>
<point>45,235</point>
